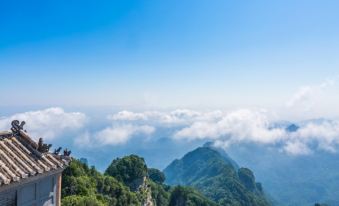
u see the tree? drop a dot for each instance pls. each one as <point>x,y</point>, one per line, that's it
<point>247,178</point>
<point>128,170</point>
<point>185,196</point>
<point>160,193</point>
<point>76,200</point>
<point>156,175</point>
<point>86,186</point>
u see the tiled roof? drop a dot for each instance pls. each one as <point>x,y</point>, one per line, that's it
<point>21,157</point>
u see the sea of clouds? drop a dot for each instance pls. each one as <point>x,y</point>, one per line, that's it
<point>224,128</point>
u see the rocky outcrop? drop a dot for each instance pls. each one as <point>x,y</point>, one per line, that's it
<point>141,185</point>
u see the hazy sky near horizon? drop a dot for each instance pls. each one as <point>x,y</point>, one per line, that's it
<point>204,54</point>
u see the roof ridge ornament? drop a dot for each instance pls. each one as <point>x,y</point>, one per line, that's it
<point>43,148</point>
<point>67,152</point>
<point>57,151</point>
<point>17,126</point>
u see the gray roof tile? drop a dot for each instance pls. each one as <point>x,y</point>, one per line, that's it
<point>20,158</point>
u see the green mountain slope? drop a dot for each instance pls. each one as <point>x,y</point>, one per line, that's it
<point>126,182</point>
<point>216,176</point>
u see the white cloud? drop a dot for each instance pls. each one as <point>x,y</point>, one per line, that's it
<point>176,117</point>
<point>302,97</point>
<point>128,116</point>
<point>324,133</point>
<point>113,135</point>
<point>306,96</point>
<point>238,126</point>
<point>47,123</point>
<point>121,134</point>
<point>296,148</point>
<point>128,124</point>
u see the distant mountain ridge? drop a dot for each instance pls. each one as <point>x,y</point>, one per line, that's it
<point>217,176</point>
<point>292,128</point>
<point>292,180</point>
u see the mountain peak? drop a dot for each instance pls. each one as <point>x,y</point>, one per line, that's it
<point>207,170</point>
<point>292,128</point>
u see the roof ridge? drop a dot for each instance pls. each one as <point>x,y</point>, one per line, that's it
<point>5,134</point>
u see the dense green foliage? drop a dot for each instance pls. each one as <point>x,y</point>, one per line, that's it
<point>129,169</point>
<point>247,178</point>
<point>216,177</point>
<point>160,193</point>
<point>184,196</point>
<point>84,186</point>
<point>156,175</point>
<point>76,200</point>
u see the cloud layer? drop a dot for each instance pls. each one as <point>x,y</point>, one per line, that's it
<point>172,118</point>
<point>221,127</point>
<point>235,127</point>
<point>47,123</point>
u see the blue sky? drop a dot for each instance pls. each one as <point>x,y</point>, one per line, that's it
<point>197,53</point>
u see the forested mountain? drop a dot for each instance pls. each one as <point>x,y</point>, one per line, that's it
<point>203,177</point>
<point>126,182</point>
<point>217,177</point>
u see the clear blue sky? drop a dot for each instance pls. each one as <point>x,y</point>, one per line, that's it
<point>164,53</point>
